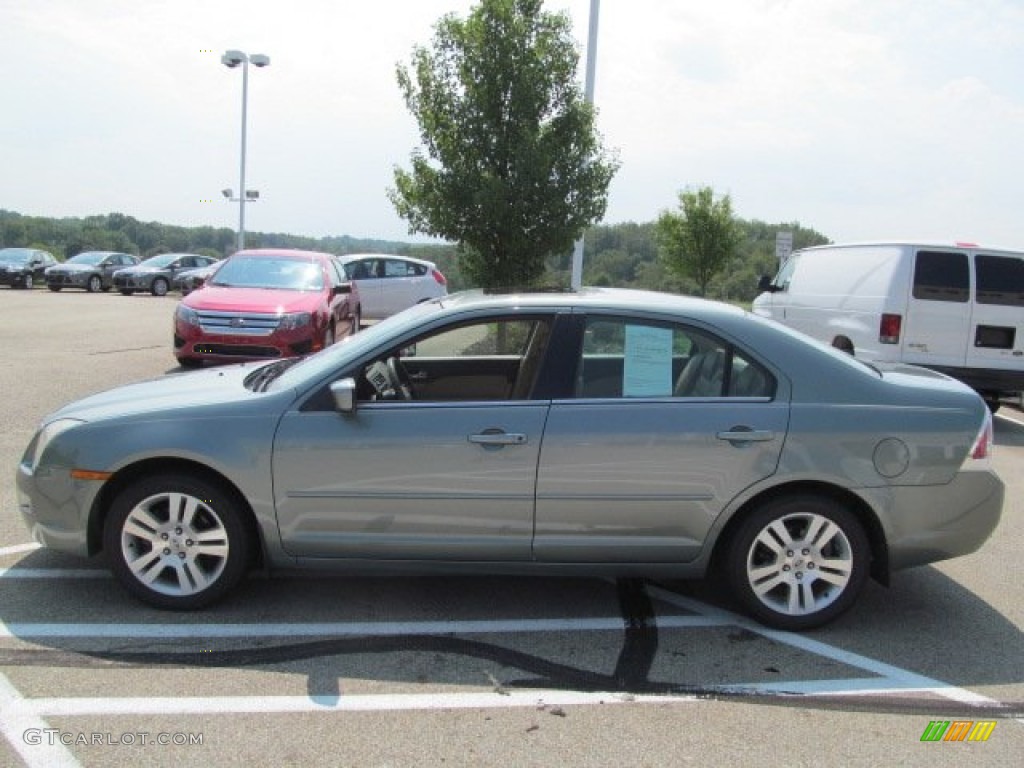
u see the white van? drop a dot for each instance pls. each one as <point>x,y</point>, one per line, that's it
<point>958,308</point>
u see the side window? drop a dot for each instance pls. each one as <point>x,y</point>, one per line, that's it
<point>395,268</point>
<point>497,359</point>
<point>1000,280</point>
<point>941,276</point>
<point>626,359</point>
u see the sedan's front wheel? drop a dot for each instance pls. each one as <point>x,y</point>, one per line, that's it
<point>159,287</point>
<point>177,542</point>
<point>798,562</point>
<point>95,284</point>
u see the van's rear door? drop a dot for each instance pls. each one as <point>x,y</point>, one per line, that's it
<point>938,309</point>
<point>996,339</point>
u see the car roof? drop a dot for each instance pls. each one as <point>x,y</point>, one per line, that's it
<point>345,258</point>
<point>625,299</point>
<point>290,253</point>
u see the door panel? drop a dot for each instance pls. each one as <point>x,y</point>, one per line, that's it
<point>409,481</point>
<point>634,481</point>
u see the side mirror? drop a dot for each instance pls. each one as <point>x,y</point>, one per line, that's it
<point>765,284</point>
<point>344,393</point>
<point>342,289</point>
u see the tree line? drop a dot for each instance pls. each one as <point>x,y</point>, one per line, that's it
<point>624,255</point>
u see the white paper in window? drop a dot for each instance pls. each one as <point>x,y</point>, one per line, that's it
<point>647,368</point>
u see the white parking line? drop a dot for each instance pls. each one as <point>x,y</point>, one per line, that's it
<point>896,678</point>
<point>1004,417</point>
<point>65,707</point>
<point>17,549</point>
<point>339,629</point>
<point>54,573</point>
<point>17,719</point>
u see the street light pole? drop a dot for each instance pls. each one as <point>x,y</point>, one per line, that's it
<point>576,278</point>
<point>232,59</point>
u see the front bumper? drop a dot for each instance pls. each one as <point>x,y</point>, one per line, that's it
<point>55,508</point>
<point>68,280</point>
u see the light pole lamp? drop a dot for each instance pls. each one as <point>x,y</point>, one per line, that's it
<point>232,59</point>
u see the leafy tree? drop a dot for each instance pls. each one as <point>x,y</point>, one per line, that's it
<point>699,241</point>
<point>511,167</point>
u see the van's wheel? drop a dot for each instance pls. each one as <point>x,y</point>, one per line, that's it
<point>177,542</point>
<point>798,562</point>
<point>992,403</point>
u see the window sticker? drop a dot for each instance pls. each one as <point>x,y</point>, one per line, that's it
<point>647,368</point>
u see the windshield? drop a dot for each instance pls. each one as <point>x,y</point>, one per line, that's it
<point>15,255</point>
<point>89,257</point>
<point>277,272</point>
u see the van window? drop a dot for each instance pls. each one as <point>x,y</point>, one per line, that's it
<point>941,276</point>
<point>1000,280</point>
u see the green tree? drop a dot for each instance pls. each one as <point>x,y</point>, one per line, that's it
<point>511,167</point>
<point>698,241</point>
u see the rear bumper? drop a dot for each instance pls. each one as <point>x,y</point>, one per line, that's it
<point>937,522</point>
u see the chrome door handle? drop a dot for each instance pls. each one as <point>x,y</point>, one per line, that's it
<point>498,438</point>
<point>741,435</point>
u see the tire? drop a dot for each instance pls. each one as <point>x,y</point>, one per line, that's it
<point>28,282</point>
<point>159,287</point>
<point>94,284</point>
<point>329,337</point>
<point>798,562</point>
<point>357,320</point>
<point>190,362</point>
<point>177,542</point>
<point>54,288</point>
<point>126,292</point>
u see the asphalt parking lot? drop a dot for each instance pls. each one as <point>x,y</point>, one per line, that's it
<point>388,671</point>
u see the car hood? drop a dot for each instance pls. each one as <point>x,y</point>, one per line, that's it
<point>225,299</point>
<point>169,394</point>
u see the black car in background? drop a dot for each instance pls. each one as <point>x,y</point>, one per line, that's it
<point>24,267</point>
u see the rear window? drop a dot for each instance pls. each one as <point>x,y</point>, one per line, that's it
<point>941,276</point>
<point>1000,280</point>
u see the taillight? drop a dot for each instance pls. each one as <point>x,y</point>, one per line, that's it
<point>889,329</point>
<point>438,277</point>
<point>981,449</point>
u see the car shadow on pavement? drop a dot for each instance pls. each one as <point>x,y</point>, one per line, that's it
<point>927,624</point>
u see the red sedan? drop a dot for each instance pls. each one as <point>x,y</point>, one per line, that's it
<point>264,304</point>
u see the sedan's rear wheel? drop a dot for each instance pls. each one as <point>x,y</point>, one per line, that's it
<point>177,542</point>
<point>798,562</point>
<point>159,287</point>
<point>95,284</point>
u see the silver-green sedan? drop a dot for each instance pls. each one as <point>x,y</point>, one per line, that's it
<point>598,432</point>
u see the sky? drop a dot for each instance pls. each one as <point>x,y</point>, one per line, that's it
<point>861,119</point>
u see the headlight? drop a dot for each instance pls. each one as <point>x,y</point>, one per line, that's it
<point>295,320</point>
<point>45,436</point>
<point>187,315</point>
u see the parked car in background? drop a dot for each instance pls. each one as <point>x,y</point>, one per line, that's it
<point>388,284</point>
<point>189,280</point>
<point>156,273</point>
<point>602,432</point>
<point>24,267</point>
<point>91,270</point>
<point>266,303</point>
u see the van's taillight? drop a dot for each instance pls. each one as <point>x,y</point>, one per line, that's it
<point>889,329</point>
<point>438,277</point>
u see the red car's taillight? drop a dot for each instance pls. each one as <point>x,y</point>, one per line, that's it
<point>438,277</point>
<point>889,329</point>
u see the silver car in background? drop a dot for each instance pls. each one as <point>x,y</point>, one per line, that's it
<point>599,432</point>
<point>388,284</point>
<point>91,270</point>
